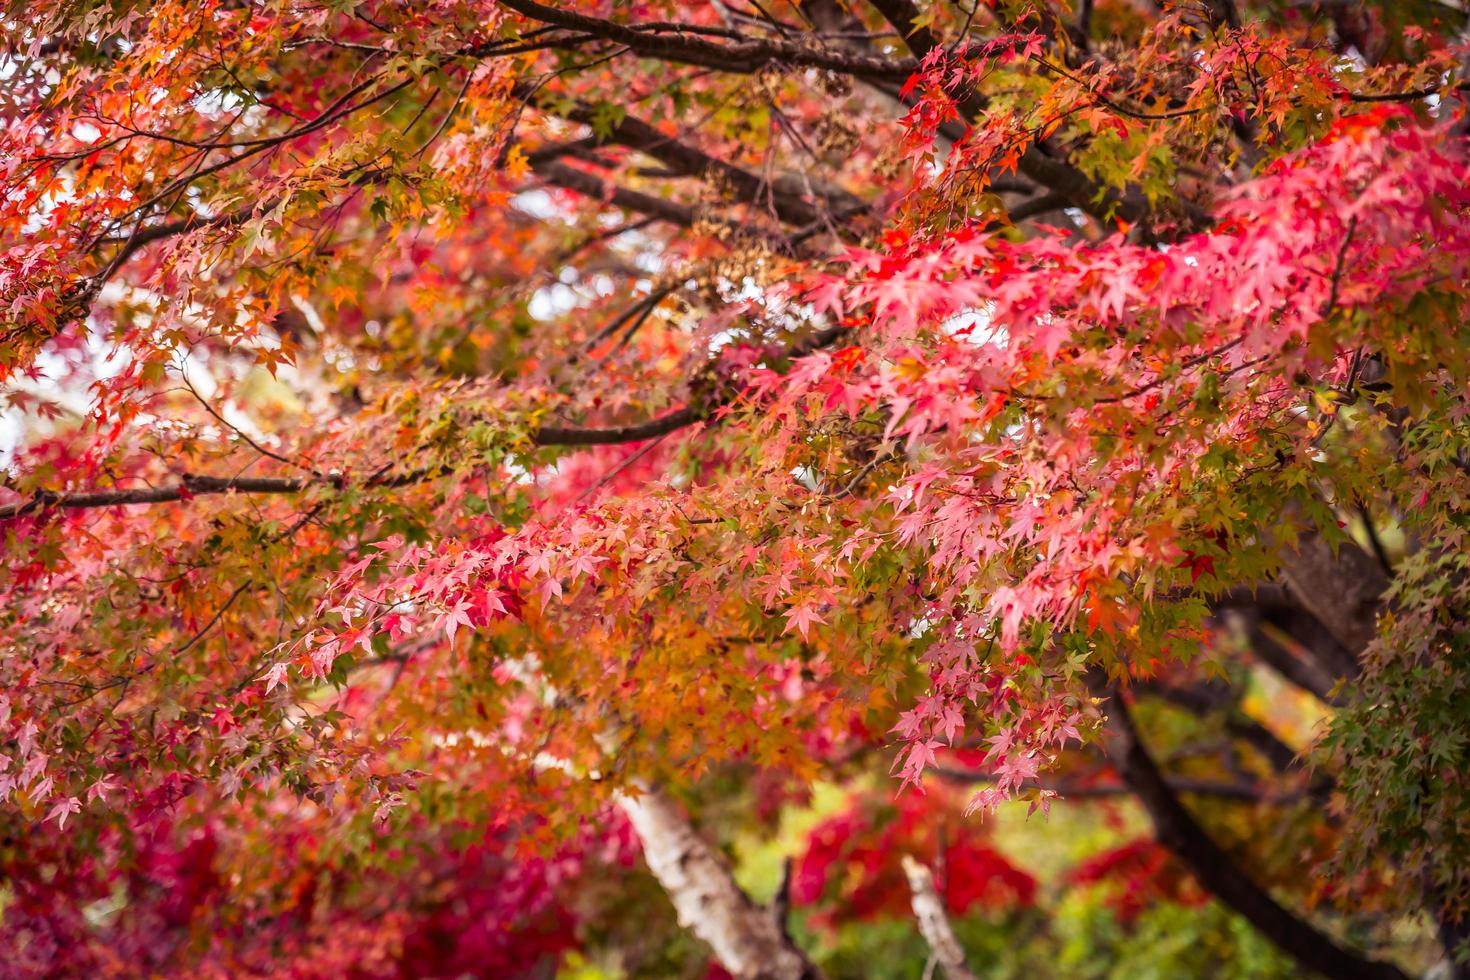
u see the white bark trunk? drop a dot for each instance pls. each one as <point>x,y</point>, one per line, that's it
<point>745,937</point>
<point>933,923</point>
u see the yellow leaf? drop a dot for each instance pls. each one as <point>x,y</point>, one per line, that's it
<point>516,164</point>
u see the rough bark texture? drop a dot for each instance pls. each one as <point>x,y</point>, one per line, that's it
<point>1343,589</point>
<point>746,938</point>
<point>933,923</point>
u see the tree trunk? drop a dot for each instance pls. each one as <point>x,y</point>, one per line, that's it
<point>1177,830</point>
<point>746,938</point>
<point>933,923</point>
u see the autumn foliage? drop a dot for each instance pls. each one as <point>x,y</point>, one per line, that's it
<point>453,448</point>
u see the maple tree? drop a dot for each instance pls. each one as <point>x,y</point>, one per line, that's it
<point>470,444</point>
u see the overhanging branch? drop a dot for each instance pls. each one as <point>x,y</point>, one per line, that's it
<point>195,485</point>
<point>740,56</point>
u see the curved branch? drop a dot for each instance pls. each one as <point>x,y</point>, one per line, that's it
<point>195,485</point>
<point>744,57</point>
<point>1177,830</point>
<point>1205,699</point>
<point>746,938</point>
<point>580,181</point>
<point>1238,791</point>
<point>659,208</point>
<point>683,159</point>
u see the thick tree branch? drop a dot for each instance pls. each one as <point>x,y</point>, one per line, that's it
<point>1342,587</point>
<point>933,923</point>
<point>1204,699</point>
<point>1305,672</point>
<point>1288,637</point>
<point>662,209</point>
<point>1274,647</point>
<point>681,158</point>
<point>753,55</point>
<point>904,16</point>
<point>569,177</point>
<point>1177,830</point>
<point>745,937</point>
<point>742,56</point>
<point>1070,790</point>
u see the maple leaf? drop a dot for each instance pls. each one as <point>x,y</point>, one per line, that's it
<point>273,676</point>
<point>1105,614</point>
<point>64,809</point>
<point>801,617</point>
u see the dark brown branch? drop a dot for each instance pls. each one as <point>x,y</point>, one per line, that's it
<point>1205,699</point>
<point>904,16</point>
<point>1225,12</point>
<point>569,177</point>
<point>1074,790</point>
<point>1342,586</point>
<point>142,237</point>
<point>1290,639</point>
<point>662,209</point>
<point>1413,95</point>
<point>1084,23</point>
<point>1052,172</point>
<point>781,901</point>
<point>1177,830</point>
<point>1036,207</point>
<point>194,485</point>
<point>745,57</point>
<point>1304,672</point>
<point>683,159</point>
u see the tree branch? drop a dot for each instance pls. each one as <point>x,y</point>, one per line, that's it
<point>562,175</point>
<point>1241,791</point>
<point>194,485</point>
<point>1177,830</point>
<point>745,937</point>
<point>1342,587</point>
<point>682,158</point>
<point>744,56</point>
<point>1288,637</point>
<point>662,209</point>
<point>1205,699</point>
<point>933,923</point>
